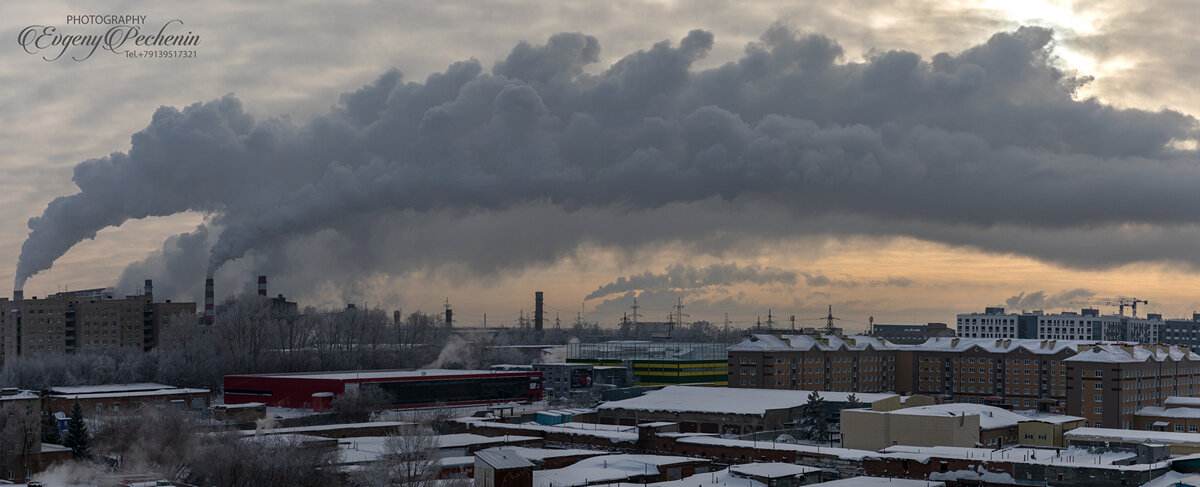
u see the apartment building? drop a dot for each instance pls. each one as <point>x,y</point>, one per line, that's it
<point>1111,382</point>
<point>1046,375</point>
<point>93,319</point>
<point>811,362</point>
<point>1027,374</point>
<point>1087,324</point>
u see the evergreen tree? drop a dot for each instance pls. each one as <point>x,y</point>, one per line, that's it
<point>813,419</point>
<point>77,438</point>
<point>50,433</point>
<point>852,402</point>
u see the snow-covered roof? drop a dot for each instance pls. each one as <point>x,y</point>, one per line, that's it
<point>459,440</point>
<point>380,374</point>
<point>724,400</point>
<point>1130,353</point>
<point>996,345</point>
<point>606,468</point>
<point>1182,401</point>
<point>539,454</point>
<point>166,391</point>
<point>318,429</point>
<point>1069,456</point>
<point>1181,412</point>
<point>626,434</point>
<point>766,342</point>
<point>708,479</point>
<point>503,460</point>
<point>140,386</point>
<point>1035,415</point>
<point>772,470</point>
<point>846,453</point>
<point>1132,435</point>
<point>878,481</point>
<point>990,417</point>
<point>19,395</point>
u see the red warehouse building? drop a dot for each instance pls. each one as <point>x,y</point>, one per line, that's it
<point>398,388</point>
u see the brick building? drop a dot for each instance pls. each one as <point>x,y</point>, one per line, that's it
<point>1047,375</point>
<point>93,319</point>
<point>1111,382</point>
<point>123,398</point>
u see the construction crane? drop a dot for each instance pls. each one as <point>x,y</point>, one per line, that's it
<point>1120,303</point>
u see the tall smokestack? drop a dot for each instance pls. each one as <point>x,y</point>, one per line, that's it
<point>537,311</point>
<point>149,291</point>
<point>449,317</point>
<point>18,295</point>
<point>208,301</point>
<point>262,286</point>
<point>396,317</point>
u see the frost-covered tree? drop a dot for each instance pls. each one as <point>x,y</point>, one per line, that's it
<point>813,419</point>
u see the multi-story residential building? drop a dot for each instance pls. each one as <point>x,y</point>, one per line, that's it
<point>1181,331</point>
<point>812,362</point>
<point>1047,375</point>
<point>1111,382</point>
<point>93,319</point>
<point>1087,324</point>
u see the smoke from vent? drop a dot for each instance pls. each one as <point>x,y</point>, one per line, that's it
<point>988,138</point>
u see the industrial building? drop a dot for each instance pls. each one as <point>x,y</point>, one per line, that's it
<point>954,424</point>
<point>396,388</point>
<point>723,410</point>
<point>92,319</point>
<point>658,363</point>
<point>124,398</point>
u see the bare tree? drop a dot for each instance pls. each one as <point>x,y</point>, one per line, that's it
<point>409,459</point>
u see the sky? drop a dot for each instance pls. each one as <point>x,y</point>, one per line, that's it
<point>901,161</point>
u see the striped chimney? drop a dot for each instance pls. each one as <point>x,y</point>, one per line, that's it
<point>262,286</point>
<point>208,301</point>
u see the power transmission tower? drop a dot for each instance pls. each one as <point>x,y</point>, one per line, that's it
<point>678,313</point>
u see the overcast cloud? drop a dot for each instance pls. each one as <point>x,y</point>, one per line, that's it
<point>717,136</point>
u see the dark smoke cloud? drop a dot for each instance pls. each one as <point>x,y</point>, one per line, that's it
<point>949,148</point>
<point>681,277</point>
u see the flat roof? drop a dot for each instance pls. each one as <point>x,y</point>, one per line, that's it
<point>95,389</point>
<point>730,400</point>
<point>384,374</point>
<point>877,481</point>
<point>1133,435</point>
<point>772,470</point>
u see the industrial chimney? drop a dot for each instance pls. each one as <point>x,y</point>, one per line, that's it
<point>396,317</point>
<point>208,301</point>
<point>149,291</point>
<point>537,311</point>
<point>262,286</point>
<point>18,295</point>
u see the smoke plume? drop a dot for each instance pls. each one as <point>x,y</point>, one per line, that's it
<point>679,276</point>
<point>949,148</point>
